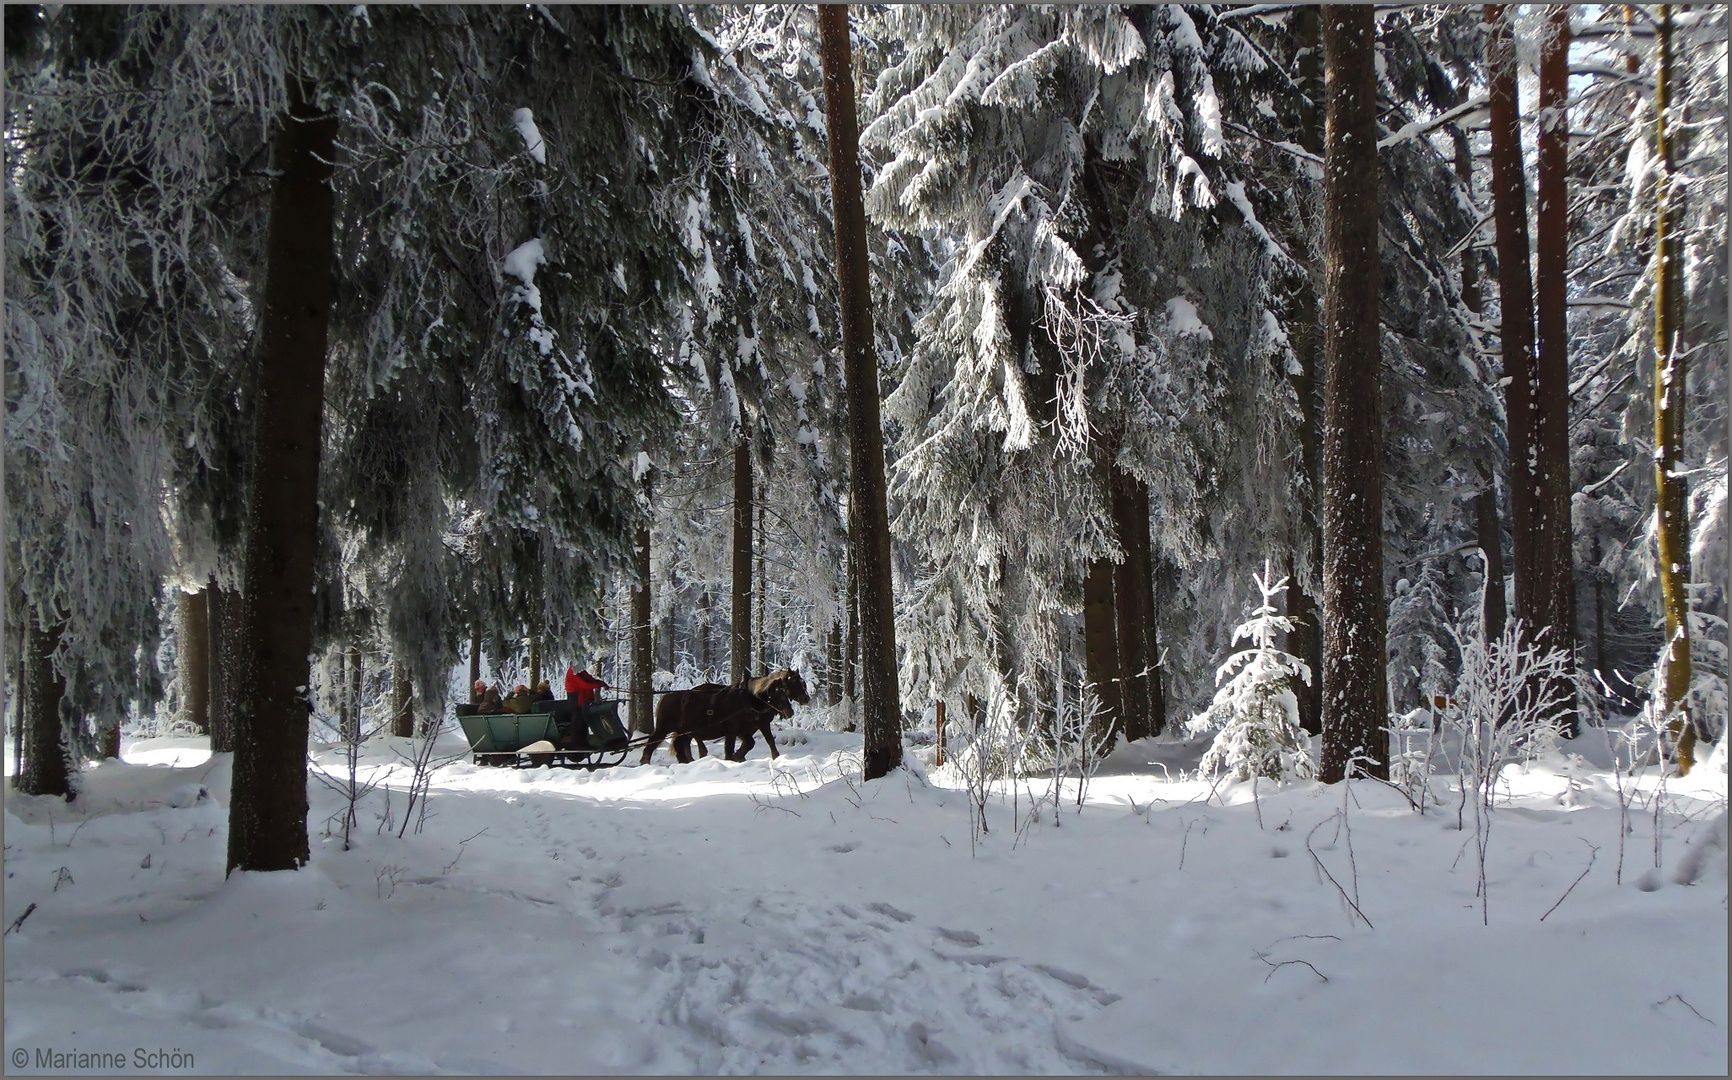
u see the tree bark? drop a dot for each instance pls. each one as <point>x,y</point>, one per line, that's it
<point>339,693</point>
<point>761,624</point>
<point>740,656</point>
<point>226,627</point>
<point>111,741</point>
<point>268,804</point>
<point>1305,640</point>
<point>871,540</point>
<point>1471,296</point>
<point>642,640</point>
<point>46,770</point>
<point>18,714</point>
<point>851,644</point>
<point>1100,647</point>
<point>356,730</point>
<point>474,662</point>
<point>534,660</point>
<point>1554,590</point>
<point>1157,681</point>
<point>1489,529</point>
<point>1354,628</point>
<point>1670,506</point>
<point>704,631</point>
<point>402,701</point>
<point>194,658</point>
<point>1538,438</point>
<point>1599,616</point>
<point>1491,611</point>
<point>1132,604</point>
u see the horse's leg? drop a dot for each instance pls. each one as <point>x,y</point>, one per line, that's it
<point>666,718</point>
<point>683,748</point>
<point>769,739</point>
<point>746,744</point>
<point>728,747</point>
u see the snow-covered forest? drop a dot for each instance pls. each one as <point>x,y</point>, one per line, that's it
<point>1208,523</point>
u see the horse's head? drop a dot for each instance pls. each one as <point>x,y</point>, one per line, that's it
<point>781,691</point>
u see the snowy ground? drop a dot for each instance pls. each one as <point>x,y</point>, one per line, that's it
<point>761,917</point>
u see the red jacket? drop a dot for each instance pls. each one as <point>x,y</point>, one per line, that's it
<point>581,685</point>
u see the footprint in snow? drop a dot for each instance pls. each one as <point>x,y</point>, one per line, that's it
<point>845,847</point>
<point>887,910</point>
<point>960,937</point>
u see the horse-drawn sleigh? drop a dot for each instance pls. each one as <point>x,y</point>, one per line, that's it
<point>560,733</point>
<point>590,736</point>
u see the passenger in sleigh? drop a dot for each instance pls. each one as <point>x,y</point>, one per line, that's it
<point>487,700</point>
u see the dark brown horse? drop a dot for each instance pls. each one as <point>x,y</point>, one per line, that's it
<point>714,711</point>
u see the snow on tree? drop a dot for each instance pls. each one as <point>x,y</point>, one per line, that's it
<point>128,134</point>
<point>1255,715</point>
<point>1073,164</point>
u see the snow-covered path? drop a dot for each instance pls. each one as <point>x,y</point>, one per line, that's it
<point>751,917</point>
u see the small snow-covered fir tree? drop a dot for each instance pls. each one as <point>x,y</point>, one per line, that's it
<point>1256,714</point>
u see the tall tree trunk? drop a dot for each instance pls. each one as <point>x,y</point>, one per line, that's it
<point>18,715</point>
<point>1157,681</point>
<point>1670,495</point>
<point>740,655</point>
<point>1470,258</point>
<point>1538,439</point>
<point>1491,609</point>
<point>226,614</point>
<point>1599,617</point>
<point>194,659</point>
<point>46,770</point>
<point>1132,601</point>
<point>871,539</point>
<point>534,660</point>
<point>1305,640</point>
<point>761,624</point>
<point>268,803</point>
<point>1100,647</point>
<point>1554,591</point>
<point>339,693</point>
<point>1354,628</point>
<point>111,741</point>
<point>708,625</point>
<point>357,729</point>
<point>474,662</point>
<point>851,644</point>
<point>1488,527</point>
<point>642,640</point>
<point>833,665</point>
<point>402,701</point>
